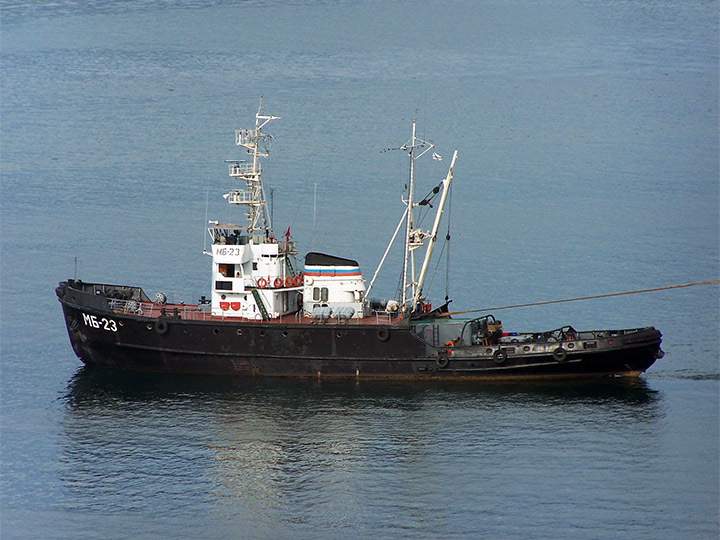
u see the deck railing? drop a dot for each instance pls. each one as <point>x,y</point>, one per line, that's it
<point>153,310</point>
<point>241,197</point>
<point>193,312</point>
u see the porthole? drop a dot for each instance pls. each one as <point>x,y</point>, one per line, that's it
<point>216,331</point>
<point>526,348</point>
<point>262,333</point>
<point>149,327</point>
<point>239,332</point>
<point>285,334</point>
<point>339,334</point>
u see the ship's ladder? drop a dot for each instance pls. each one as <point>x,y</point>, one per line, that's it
<point>291,270</point>
<point>261,305</point>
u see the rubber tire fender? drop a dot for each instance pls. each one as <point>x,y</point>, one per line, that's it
<point>161,326</point>
<point>499,356</point>
<point>560,354</point>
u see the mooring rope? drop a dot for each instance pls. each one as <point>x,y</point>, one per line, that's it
<point>585,297</point>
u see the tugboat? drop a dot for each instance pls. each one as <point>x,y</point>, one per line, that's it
<point>267,316</point>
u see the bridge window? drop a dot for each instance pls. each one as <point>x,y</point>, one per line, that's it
<point>226,270</point>
<point>320,294</point>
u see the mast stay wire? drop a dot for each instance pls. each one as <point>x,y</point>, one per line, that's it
<point>593,297</point>
<point>447,253</point>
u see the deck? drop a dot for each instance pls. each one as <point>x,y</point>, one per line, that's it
<point>192,312</point>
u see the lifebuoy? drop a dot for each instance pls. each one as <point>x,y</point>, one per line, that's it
<point>289,281</point>
<point>450,345</point>
<point>278,282</point>
<point>500,356</point>
<point>383,333</point>
<point>297,280</point>
<point>560,354</point>
<point>443,361</point>
<point>262,283</point>
<point>161,326</point>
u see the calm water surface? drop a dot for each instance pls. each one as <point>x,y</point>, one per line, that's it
<point>588,164</point>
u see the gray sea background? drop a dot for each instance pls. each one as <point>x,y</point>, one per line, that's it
<point>588,164</point>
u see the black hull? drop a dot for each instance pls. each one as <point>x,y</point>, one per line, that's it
<point>170,344</point>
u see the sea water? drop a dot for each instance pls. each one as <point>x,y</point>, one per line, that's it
<point>588,164</point>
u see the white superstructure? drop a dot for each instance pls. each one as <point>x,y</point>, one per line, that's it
<point>333,287</point>
<point>254,275</point>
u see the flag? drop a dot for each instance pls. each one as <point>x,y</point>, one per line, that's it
<point>437,156</point>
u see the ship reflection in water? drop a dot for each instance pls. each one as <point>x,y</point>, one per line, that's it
<point>275,451</point>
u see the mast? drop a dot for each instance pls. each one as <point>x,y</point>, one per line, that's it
<point>433,233</point>
<point>253,196</point>
<point>413,237</point>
